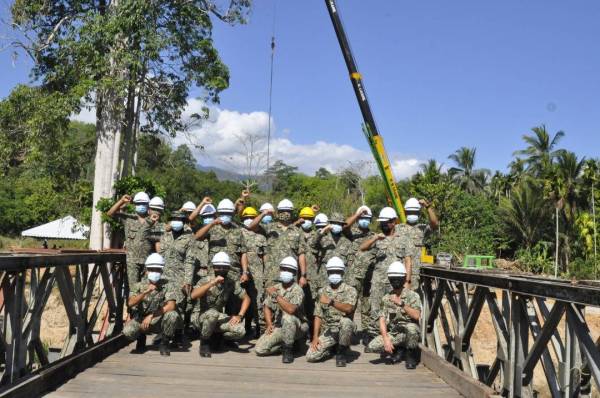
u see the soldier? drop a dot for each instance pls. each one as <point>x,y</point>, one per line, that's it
<point>138,227</point>
<point>399,315</point>
<point>330,241</point>
<point>204,208</point>
<point>283,240</point>
<point>157,206</point>
<point>256,243</point>
<point>361,269</point>
<point>418,232</point>
<point>387,247</point>
<point>211,294</point>
<point>333,317</point>
<point>153,303</point>
<point>284,314</point>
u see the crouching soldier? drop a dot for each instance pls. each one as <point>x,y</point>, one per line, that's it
<point>284,314</point>
<point>333,316</point>
<point>211,294</point>
<point>399,316</point>
<point>152,303</point>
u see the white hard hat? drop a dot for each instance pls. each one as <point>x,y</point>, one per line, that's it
<point>141,197</point>
<point>387,214</point>
<point>222,259</point>
<point>157,203</point>
<point>335,264</point>
<point>207,210</point>
<point>188,206</point>
<point>155,260</point>
<point>321,220</point>
<point>412,204</point>
<point>363,208</point>
<point>226,206</point>
<point>285,204</point>
<point>289,262</point>
<point>266,206</point>
<point>396,269</point>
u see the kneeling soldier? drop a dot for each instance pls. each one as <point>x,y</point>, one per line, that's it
<point>399,316</point>
<point>153,302</point>
<point>212,293</point>
<point>284,314</point>
<point>333,316</point>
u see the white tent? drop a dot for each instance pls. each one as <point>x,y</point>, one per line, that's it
<point>65,228</point>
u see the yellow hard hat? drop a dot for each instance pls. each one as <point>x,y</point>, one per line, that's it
<point>307,212</point>
<point>249,212</point>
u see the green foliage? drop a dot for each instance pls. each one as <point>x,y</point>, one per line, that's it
<point>537,259</point>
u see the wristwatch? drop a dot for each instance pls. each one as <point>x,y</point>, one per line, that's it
<point>246,272</point>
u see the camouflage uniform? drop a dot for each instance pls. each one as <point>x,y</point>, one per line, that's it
<point>255,245</point>
<point>392,248</point>
<point>138,243</point>
<point>403,330</point>
<point>157,231</point>
<point>417,234</point>
<point>286,328</point>
<point>336,327</point>
<point>208,315</point>
<point>360,271</point>
<point>229,240</point>
<point>282,241</point>
<point>200,257</point>
<point>315,273</point>
<point>176,252</point>
<point>167,323</point>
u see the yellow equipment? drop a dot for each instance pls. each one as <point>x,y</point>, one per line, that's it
<point>249,212</point>
<point>306,212</point>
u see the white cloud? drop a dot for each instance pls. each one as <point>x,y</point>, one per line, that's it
<point>87,115</point>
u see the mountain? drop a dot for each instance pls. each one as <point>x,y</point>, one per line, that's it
<point>222,174</point>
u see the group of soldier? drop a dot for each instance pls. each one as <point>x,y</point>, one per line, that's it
<point>228,272</point>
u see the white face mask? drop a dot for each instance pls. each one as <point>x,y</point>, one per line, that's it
<point>336,229</point>
<point>177,225</point>
<point>286,276</point>
<point>334,279</point>
<point>153,276</point>
<point>307,225</point>
<point>412,218</point>
<point>247,222</point>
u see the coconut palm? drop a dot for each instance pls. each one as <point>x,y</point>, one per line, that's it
<point>464,173</point>
<point>541,150</point>
<point>431,171</point>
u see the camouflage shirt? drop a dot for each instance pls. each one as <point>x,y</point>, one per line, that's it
<point>315,273</point>
<point>282,242</point>
<point>217,296</point>
<point>256,244</point>
<point>330,316</point>
<point>229,240</point>
<point>199,256</point>
<point>360,261</point>
<point>165,291</point>
<point>294,295</point>
<point>329,245</point>
<point>138,240</point>
<point>393,313</point>
<point>179,264</point>
<point>157,231</point>
<point>417,234</point>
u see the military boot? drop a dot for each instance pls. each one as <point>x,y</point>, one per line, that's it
<point>140,345</point>
<point>205,349</point>
<point>287,354</point>
<point>398,356</point>
<point>340,357</point>
<point>412,358</point>
<point>163,347</point>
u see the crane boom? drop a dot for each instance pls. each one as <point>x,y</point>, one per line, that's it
<point>374,139</point>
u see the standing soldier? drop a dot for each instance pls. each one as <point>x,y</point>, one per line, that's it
<point>138,227</point>
<point>157,206</point>
<point>388,247</point>
<point>333,317</point>
<point>255,243</point>
<point>331,242</point>
<point>399,315</point>
<point>211,294</point>
<point>284,314</point>
<point>152,303</point>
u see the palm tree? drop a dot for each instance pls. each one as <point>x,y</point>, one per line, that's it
<point>431,171</point>
<point>541,150</point>
<point>466,176</point>
<point>590,175</point>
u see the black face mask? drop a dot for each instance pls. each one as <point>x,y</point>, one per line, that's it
<point>385,227</point>
<point>397,283</point>
<point>221,272</point>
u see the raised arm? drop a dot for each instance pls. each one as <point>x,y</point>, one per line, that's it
<point>125,199</point>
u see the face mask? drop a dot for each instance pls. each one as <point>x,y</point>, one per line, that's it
<point>286,276</point>
<point>385,227</point>
<point>226,219</point>
<point>247,222</point>
<point>141,209</point>
<point>268,219</point>
<point>207,220</point>
<point>397,283</point>
<point>412,218</point>
<point>153,276</point>
<point>284,217</point>
<point>176,225</point>
<point>307,225</point>
<point>364,223</point>
<point>334,279</point>
<point>336,229</point>
<point>221,272</point>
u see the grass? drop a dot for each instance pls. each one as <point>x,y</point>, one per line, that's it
<point>6,242</point>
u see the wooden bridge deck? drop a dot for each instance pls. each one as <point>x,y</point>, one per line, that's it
<point>243,374</point>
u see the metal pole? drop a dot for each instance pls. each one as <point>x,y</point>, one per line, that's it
<point>556,250</point>
<point>594,220</point>
<point>270,108</point>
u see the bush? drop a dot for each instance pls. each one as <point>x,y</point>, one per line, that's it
<point>537,260</point>
<point>581,269</point>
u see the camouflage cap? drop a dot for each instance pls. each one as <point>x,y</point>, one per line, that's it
<point>178,215</point>
<point>337,218</point>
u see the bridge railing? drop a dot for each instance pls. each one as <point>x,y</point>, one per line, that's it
<point>537,322</point>
<point>90,289</point>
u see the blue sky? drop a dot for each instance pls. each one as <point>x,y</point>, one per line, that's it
<point>439,75</point>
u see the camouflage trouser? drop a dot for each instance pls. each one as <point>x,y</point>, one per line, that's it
<point>166,324</point>
<point>379,288</point>
<point>255,288</point>
<point>365,304</point>
<point>213,321</point>
<point>342,335</point>
<point>408,336</point>
<point>134,273</point>
<point>415,279</point>
<point>291,329</point>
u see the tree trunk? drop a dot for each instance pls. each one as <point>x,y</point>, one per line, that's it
<point>594,220</point>
<point>557,243</point>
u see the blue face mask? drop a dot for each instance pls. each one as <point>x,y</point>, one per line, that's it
<point>336,229</point>
<point>247,222</point>
<point>334,279</point>
<point>225,219</point>
<point>268,219</point>
<point>207,220</point>
<point>307,225</point>
<point>141,209</point>
<point>363,223</point>
<point>176,225</point>
<point>412,218</point>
